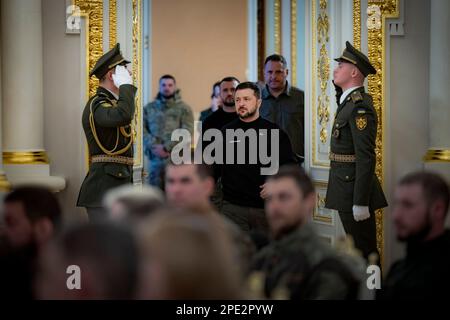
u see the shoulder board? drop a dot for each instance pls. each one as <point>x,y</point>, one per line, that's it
<point>356,97</point>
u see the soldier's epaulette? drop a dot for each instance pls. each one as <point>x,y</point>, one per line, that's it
<point>356,96</point>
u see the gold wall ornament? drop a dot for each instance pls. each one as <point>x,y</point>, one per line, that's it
<point>373,17</point>
<point>294,42</point>
<point>112,23</point>
<point>357,24</point>
<point>437,155</point>
<point>320,204</point>
<point>5,186</point>
<point>320,26</point>
<point>137,78</point>
<point>92,11</point>
<point>376,85</point>
<point>27,157</point>
<point>277,25</point>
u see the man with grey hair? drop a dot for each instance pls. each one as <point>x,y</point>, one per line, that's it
<point>132,202</point>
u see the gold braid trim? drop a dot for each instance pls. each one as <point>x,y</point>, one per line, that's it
<point>112,152</point>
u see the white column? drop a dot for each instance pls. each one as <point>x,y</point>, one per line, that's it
<point>25,159</point>
<point>438,156</point>
<point>4,184</point>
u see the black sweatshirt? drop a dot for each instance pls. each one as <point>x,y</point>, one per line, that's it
<point>241,182</point>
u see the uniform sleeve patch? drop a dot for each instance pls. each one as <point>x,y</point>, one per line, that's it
<point>361,122</point>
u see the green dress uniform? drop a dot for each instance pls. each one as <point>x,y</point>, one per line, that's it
<point>300,266</point>
<point>107,126</point>
<point>352,180</point>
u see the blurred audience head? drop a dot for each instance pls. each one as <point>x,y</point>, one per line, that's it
<point>186,256</point>
<point>132,203</point>
<point>32,216</point>
<point>189,186</point>
<point>107,258</point>
<point>216,102</point>
<point>421,202</point>
<point>291,199</point>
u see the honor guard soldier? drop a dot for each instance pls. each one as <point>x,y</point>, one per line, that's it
<point>353,187</point>
<point>106,121</point>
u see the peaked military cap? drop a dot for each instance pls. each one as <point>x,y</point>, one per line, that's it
<point>356,57</point>
<point>108,61</point>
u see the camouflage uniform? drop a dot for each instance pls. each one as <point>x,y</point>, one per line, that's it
<point>301,266</point>
<point>161,118</point>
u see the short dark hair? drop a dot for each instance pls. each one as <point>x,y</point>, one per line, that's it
<point>250,85</point>
<point>229,79</point>
<point>167,76</point>
<point>38,203</point>
<point>433,185</point>
<point>202,169</point>
<point>110,250</point>
<point>213,93</point>
<point>298,174</point>
<point>276,58</point>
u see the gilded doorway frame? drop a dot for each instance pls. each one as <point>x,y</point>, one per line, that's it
<point>92,12</point>
<point>377,11</point>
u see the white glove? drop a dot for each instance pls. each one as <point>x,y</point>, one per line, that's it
<point>361,213</point>
<point>122,76</point>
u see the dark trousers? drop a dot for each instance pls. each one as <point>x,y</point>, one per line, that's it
<point>364,233</point>
<point>247,218</point>
<point>97,214</point>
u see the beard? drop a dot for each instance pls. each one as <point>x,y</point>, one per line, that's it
<point>228,103</point>
<point>420,235</point>
<point>167,97</point>
<point>248,114</point>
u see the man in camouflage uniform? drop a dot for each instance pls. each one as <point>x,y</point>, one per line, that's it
<point>353,187</point>
<point>106,122</point>
<point>161,117</point>
<point>297,264</point>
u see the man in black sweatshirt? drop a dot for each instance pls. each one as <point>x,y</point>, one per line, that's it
<point>253,149</point>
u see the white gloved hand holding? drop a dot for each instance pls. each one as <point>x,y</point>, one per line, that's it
<point>122,76</point>
<point>361,213</point>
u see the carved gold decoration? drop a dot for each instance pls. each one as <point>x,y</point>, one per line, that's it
<point>376,83</point>
<point>357,24</point>
<point>31,157</point>
<point>277,25</point>
<point>137,78</point>
<point>317,115</point>
<point>436,155</point>
<point>112,23</point>
<point>294,42</point>
<point>323,70</point>
<point>5,186</point>
<point>374,17</point>
<point>92,10</point>
<point>320,204</point>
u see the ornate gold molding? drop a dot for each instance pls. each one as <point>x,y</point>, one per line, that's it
<point>5,186</point>
<point>27,157</point>
<point>294,42</point>
<point>321,73</point>
<point>137,77</point>
<point>437,155</point>
<point>357,24</point>
<point>378,11</point>
<point>92,10</point>
<point>320,204</point>
<point>112,23</point>
<point>277,25</point>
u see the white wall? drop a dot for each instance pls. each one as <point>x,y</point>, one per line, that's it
<point>63,105</point>
<point>408,109</point>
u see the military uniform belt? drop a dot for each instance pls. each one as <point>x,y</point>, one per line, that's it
<point>113,159</point>
<point>342,157</point>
